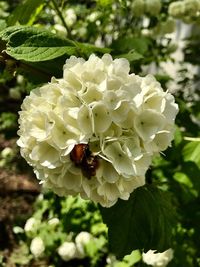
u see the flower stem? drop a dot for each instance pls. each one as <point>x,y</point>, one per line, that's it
<point>62,19</point>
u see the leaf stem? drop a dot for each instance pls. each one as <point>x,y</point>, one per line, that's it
<point>62,19</point>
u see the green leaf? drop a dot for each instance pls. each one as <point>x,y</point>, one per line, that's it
<point>34,44</point>
<point>133,258</point>
<point>182,178</point>
<point>131,56</point>
<point>145,221</point>
<point>126,44</point>
<point>88,49</point>
<point>191,152</point>
<point>26,12</point>
<point>3,24</point>
<point>192,171</point>
<point>41,72</point>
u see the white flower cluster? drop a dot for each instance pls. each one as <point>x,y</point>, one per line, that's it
<point>150,7</point>
<point>158,259</point>
<point>71,250</point>
<point>187,10</point>
<point>94,131</point>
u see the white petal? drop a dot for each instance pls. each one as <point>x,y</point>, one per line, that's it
<point>111,100</point>
<point>171,108</point>
<point>155,101</point>
<point>71,181</point>
<point>148,123</point>
<point>119,114</point>
<point>142,164</point>
<point>46,155</point>
<point>102,119</point>
<point>121,66</point>
<point>119,159</point>
<point>91,95</point>
<point>107,172</point>
<point>109,191</point>
<point>85,120</point>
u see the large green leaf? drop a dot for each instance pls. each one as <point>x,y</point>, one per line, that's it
<point>34,44</point>
<point>191,152</point>
<point>25,12</point>
<point>145,221</point>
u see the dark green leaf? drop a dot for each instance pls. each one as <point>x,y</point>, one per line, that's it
<point>40,72</point>
<point>26,12</point>
<point>33,44</point>
<point>145,221</point>
<point>126,44</point>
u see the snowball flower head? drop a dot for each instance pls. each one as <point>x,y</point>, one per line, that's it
<point>158,259</point>
<point>153,7</point>
<point>176,9</point>
<point>94,131</point>
<point>67,251</point>
<point>37,246</point>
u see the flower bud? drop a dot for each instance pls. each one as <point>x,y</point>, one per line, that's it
<point>67,251</point>
<point>37,247</point>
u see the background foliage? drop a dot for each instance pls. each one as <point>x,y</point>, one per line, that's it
<point>36,37</point>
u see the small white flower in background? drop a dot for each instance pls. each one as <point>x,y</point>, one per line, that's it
<point>93,16</point>
<point>158,259</point>
<point>69,17</point>
<point>31,224</point>
<point>15,93</point>
<point>20,79</point>
<point>68,251</point>
<point>7,152</point>
<point>54,221</point>
<point>94,132</point>
<point>40,197</point>
<point>176,9</point>
<point>37,247</point>
<point>81,240</point>
<point>60,29</point>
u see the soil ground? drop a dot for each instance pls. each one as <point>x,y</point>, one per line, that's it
<point>18,190</point>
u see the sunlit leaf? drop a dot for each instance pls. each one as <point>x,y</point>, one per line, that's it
<point>26,12</point>
<point>33,44</point>
<point>191,152</point>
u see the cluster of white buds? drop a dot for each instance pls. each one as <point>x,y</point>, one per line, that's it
<point>75,250</point>
<point>94,132</point>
